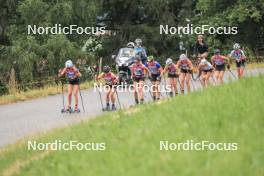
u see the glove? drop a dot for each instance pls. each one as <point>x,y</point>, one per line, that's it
<point>228,66</point>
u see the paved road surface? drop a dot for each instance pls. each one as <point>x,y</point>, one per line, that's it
<point>22,119</point>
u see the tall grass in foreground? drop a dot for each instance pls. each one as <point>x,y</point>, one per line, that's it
<point>229,113</point>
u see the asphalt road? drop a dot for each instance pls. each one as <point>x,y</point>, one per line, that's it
<point>23,119</point>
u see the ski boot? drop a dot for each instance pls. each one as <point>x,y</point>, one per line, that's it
<point>69,109</point>
<point>182,92</point>
<point>76,109</point>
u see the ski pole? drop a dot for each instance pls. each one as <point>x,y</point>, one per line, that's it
<point>181,87</point>
<point>81,97</point>
<point>62,94</point>
<point>118,99</point>
<point>100,95</point>
<point>213,79</point>
<point>232,73</point>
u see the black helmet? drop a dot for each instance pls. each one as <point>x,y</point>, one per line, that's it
<point>106,69</point>
<point>217,51</point>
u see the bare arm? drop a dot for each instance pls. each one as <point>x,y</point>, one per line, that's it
<point>62,72</point>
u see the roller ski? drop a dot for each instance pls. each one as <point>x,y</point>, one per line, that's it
<point>70,110</point>
<point>67,110</point>
<point>107,108</point>
<point>75,110</point>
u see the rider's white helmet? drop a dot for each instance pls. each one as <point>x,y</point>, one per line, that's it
<point>131,45</point>
<point>68,64</point>
<point>236,46</point>
<point>183,57</point>
<point>138,42</point>
<point>168,61</point>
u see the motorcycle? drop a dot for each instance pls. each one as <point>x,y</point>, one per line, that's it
<point>123,60</point>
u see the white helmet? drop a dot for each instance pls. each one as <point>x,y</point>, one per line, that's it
<point>183,57</point>
<point>203,61</point>
<point>236,46</point>
<point>131,45</point>
<point>68,64</point>
<point>138,42</point>
<point>168,61</point>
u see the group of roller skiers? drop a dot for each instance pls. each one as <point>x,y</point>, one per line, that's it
<point>177,74</point>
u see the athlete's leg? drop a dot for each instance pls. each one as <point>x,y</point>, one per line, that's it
<point>188,82</point>
<point>174,83</point>
<point>135,85</point>
<point>217,77</point>
<point>242,71</point>
<point>153,89</point>
<point>112,95</point>
<point>75,94</point>
<point>158,90</point>
<point>140,91</point>
<point>70,88</point>
<point>203,81</point>
<point>171,86</point>
<point>182,79</point>
<point>221,76</point>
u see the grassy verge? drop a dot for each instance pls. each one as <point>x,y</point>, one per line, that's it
<point>229,113</point>
<point>36,93</point>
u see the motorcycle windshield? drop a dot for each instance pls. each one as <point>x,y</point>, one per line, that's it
<point>126,53</point>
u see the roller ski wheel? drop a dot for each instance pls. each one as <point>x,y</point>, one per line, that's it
<point>76,111</point>
<point>68,110</point>
<point>63,110</point>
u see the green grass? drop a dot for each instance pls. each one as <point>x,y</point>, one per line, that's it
<point>228,113</point>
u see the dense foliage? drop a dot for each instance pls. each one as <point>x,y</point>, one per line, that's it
<point>38,57</point>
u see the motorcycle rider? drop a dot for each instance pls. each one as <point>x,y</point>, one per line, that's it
<point>139,50</point>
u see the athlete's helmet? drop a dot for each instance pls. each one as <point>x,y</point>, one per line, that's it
<point>217,51</point>
<point>183,57</point>
<point>236,46</point>
<point>203,61</point>
<point>106,69</point>
<point>169,61</point>
<point>68,64</point>
<point>131,45</point>
<point>138,42</point>
<point>150,58</point>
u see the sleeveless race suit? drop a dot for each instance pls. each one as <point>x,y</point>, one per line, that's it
<point>219,62</point>
<point>239,56</point>
<point>154,70</point>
